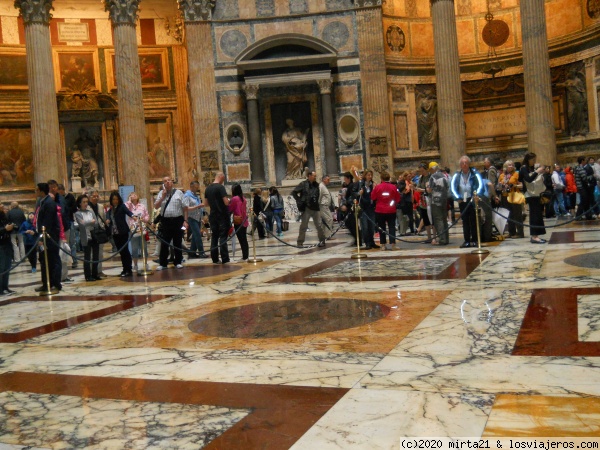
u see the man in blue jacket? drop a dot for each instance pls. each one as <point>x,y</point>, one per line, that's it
<point>466,184</point>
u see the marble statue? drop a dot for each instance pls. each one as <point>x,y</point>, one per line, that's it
<point>427,120</point>
<point>86,169</point>
<point>236,142</point>
<point>576,102</point>
<point>295,143</point>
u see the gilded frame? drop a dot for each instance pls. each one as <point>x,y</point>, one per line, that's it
<point>6,83</point>
<point>76,69</point>
<point>156,70</point>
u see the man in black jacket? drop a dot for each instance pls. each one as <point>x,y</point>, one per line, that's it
<point>47,216</point>
<point>352,194</point>
<point>306,195</point>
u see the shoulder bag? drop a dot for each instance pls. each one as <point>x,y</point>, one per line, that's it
<point>100,234</point>
<point>535,188</point>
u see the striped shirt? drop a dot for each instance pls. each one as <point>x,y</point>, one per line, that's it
<point>175,206</point>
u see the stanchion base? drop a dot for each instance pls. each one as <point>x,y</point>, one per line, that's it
<point>480,251</point>
<point>254,260</point>
<point>145,273</point>
<point>359,255</point>
<point>52,291</point>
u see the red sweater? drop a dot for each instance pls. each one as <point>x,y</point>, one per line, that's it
<point>385,196</point>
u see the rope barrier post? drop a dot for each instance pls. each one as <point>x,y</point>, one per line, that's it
<point>47,289</point>
<point>479,250</point>
<point>358,254</point>
<point>144,272</point>
<point>254,259</point>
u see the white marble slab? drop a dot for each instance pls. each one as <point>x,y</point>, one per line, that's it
<point>61,421</point>
<point>588,318</point>
<point>26,315</point>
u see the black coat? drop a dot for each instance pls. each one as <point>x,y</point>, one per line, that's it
<point>120,219</point>
<point>47,216</point>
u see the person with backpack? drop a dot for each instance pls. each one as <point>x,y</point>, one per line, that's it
<point>306,195</point>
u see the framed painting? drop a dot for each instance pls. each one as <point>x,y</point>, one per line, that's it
<point>16,158</point>
<point>76,69</point>
<point>13,69</point>
<point>154,68</point>
<point>159,142</point>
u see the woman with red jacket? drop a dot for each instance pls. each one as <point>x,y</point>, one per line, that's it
<point>386,197</point>
<point>570,192</point>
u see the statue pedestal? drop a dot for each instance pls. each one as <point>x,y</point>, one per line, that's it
<point>75,184</point>
<point>294,183</point>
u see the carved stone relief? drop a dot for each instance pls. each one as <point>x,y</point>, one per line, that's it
<point>336,33</point>
<point>265,8</point>
<point>226,9</point>
<point>298,6</point>
<point>463,7</point>
<point>398,94</point>
<point>427,120</point>
<point>577,113</point>
<point>196,10</point>
<point>122,11</point>
<point>364,3</point>
<point>232,42</point>
<point>378,145</point>
<point>593,8</point>
<point>209,160</point>
<point>395,38</point>
<point>338,4</point>
<point>380,164</point>
<point>35,11</point>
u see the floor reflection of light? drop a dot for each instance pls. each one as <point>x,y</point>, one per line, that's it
<point>192,283</point>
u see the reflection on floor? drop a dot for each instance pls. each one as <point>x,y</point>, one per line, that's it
<point>311,349</point>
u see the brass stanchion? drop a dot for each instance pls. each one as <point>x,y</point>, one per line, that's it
<point>144,272</point>
<point>479,250</point>
<point>358,254</point>
<point>48,289</point>
<point>254,259</point>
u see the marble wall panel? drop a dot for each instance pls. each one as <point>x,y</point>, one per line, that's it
<point>298,6</point>
<point>263,30</point>
<point>231,9</point>
<point>346,94</point>
<point>466,37</point>
<point>104,32</point>
<point>563,17</point>
<point>238,172</point>
<point>233,103</point>
<point>422,47</point>
<point>347,162</point>
<point>10,30</point>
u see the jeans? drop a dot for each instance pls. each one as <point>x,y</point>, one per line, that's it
<point>367,225</point>
<point>277,217</point>
<point>196,244</point>
<point>559,203</point>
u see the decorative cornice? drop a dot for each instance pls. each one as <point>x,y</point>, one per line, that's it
<point>196,10</point>
<point>324,86</point>
<point>251,91</point>
<point>35,11</point>
<point>122,12</point>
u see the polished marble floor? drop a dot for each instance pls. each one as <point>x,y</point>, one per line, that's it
<point>311,349</point>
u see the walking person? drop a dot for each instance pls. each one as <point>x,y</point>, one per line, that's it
<point>116,220</point>
<point>193,209</point>
<point>6,253</point>
<point>87,220</point>
<point>276,206</point>
<point>217,199</point>
<point>306,195</point>
<point>237,206</point>
<point>325,204</point>
<point>140,214</point>
<point>27,230</point>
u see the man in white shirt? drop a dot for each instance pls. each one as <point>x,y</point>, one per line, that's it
<point>170,200</point>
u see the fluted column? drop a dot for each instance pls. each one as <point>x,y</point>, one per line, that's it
<point>331,164</point>
<point>541,138</point>
<point>205,115</point>
<point>257,166</point>
<point>132,128</point>
<point>48,161</point>
<point>451,122</point>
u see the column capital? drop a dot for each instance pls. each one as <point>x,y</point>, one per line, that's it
<point>122,12</point>
<point>35,11</point>
<point>324,86</point>
<point>251,91</point>
<point>410,88</point>
<point>196,10</point>
<point>588,62</point>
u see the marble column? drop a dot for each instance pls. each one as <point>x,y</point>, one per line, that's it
<point>202,85</point>
<point>541,137</point>
<point>451,122</point>
<point>132,127</point>
<point>331,163</point>
<point>257,166</point>
<point>591,95</point>
<point>48,160</point>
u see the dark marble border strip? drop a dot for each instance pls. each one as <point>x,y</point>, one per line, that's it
<point>128,302</point>
<point>568,237</point>
<point>549,327</point>
<point>279,415</point>
<point>464,265</point>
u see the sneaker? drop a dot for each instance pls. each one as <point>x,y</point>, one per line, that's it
<point>179,266</point>
<point>9,292</point>
<point>67,280</point>
<point>34,270</point>
<point>161,268</point>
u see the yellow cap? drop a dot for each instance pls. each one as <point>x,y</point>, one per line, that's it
<point>433,164</point>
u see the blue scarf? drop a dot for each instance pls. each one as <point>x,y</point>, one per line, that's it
<point>189,193</point>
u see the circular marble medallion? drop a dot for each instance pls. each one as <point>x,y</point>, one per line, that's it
<point>233,42</point>
<point>395,38</point>
<point>289,318</point>
<point>586,261</point>
<point>336,34</point>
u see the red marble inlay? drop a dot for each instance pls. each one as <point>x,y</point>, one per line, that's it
<point>568,237</point>
<point>128,302</point>
<point>550,325</point>
<point>279,415</point>
<point>465,263</point>
<point>187,273</point>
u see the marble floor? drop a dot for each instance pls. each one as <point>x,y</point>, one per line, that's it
<point>311,349</point>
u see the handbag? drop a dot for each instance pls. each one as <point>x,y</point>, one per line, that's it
<point>237,220</point>
<point>516,198</point>
<point>99,235</point>
<point>535,188</point>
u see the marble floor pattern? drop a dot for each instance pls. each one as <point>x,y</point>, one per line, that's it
<point>311,349</point>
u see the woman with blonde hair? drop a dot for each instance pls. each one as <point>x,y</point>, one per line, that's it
<point>139,211</point>
<point>510,188</point>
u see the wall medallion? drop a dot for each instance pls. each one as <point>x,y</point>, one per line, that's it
<point>593,8</point>
<point>395,38</point>
<point>336,34</point>
<point>233,42</point>
<point>495,33</point>
<point>298,6</point>
<point>235,138</point>
<point>349,129</point>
